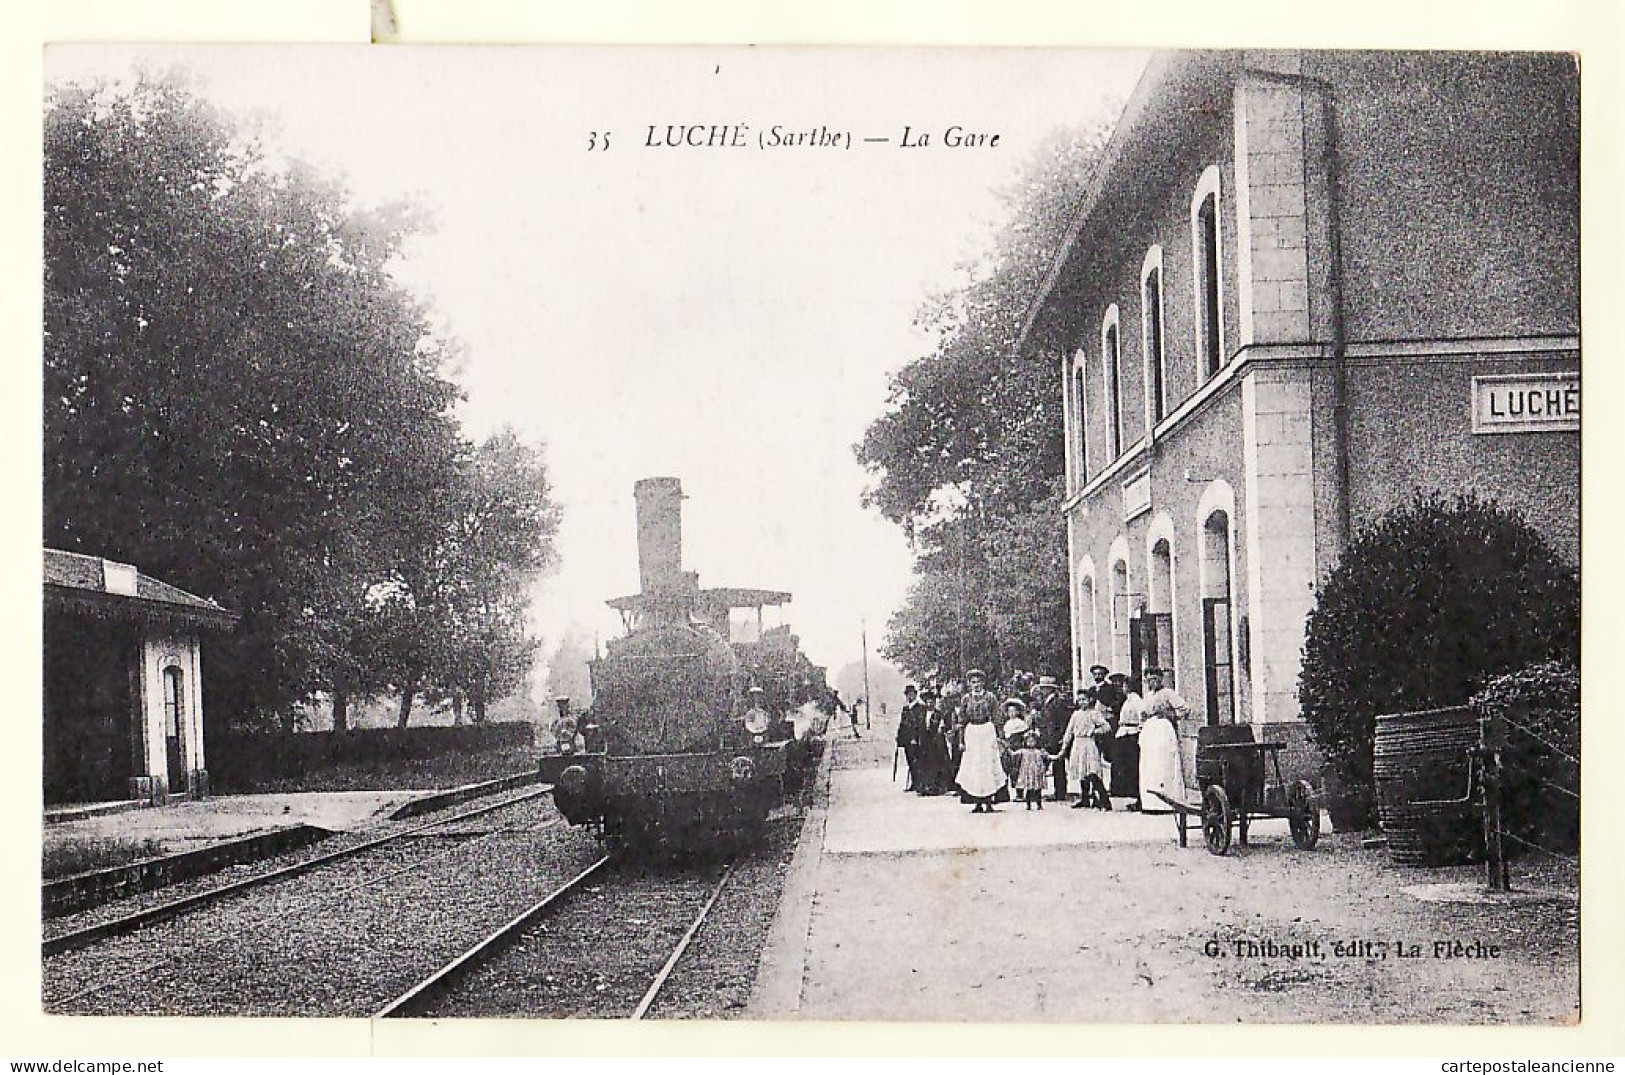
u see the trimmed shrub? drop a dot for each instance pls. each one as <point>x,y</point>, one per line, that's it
<point>1425,607</point>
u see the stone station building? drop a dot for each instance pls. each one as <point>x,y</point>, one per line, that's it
<point>123,683</point>
<point>1300,288</point>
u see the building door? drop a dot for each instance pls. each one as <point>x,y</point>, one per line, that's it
<point>1221,703</point>
<point>175,729</point>
<point>1151,645</point>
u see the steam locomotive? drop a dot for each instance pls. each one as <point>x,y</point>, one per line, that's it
<point>690,737</point>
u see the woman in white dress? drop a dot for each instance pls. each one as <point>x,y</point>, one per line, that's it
<point>1085,766</point>
<point>981,768</point>
<point>1161,764</point>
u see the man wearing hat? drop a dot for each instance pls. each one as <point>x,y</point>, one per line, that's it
<point>910,734</point>
<point>1050,715</point>
<point>1108,691</point>
<point>934,752</point>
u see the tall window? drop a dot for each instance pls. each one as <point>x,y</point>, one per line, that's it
<point>175,728</point>
<point>1206,261</point>
<point>1151,331</point>
<point>1121,613</point>
<point>1080,444</point>
<point>1160,611</point>
<point>1086,623</point>
<point>1217,658</point>
<point>1111,357</point>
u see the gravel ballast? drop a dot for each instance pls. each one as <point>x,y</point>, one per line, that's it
<point>595,955</point>
<point>137,902</point>
<point>335,942</point>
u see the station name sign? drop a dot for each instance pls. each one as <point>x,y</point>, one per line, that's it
<point>1526,403</point>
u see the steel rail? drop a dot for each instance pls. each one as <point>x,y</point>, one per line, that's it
<point>682,946</point>
<point>67,942</point>
<point>414,1000</point>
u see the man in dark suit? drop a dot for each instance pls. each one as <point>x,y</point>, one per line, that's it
<point>1052,712</point>
<point>1108,692</point>
<point>910,736</point>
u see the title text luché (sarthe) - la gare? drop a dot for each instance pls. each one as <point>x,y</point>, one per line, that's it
<point>775,136</point>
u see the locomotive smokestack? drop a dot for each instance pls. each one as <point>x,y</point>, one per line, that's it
<point>660,534</point>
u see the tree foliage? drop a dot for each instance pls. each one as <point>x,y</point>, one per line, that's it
<point>1540,710</point>
<point>1426,606</point>
<point>239,396</point>
<point>458,600</point>
<point>972,438</point>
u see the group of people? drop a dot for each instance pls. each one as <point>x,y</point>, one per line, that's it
<point>1108,740</point>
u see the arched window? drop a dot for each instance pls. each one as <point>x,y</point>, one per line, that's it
<point>1206,262</point>
<point>1086,654</point>
<point>1121,611</point>
<point>1111,358</point>
<point>1152,337</point>
<point>1218,656</point>
<point>1159,641</point>
<point>1080,420</point>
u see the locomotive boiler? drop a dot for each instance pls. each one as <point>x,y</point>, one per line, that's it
<point>689,736</point>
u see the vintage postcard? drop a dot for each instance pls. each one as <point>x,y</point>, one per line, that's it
<point>871,535</point>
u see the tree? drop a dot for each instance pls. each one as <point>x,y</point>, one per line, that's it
<point>459,601</point>
<point>1028,611</point>
<point>971,445</point>
<point>567,672</point>
<point>943,626</point>
<point>239,396</point>
<point>1425,607</point>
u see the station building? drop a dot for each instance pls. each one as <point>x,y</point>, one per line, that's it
<point>123,683</point>
<point>1300,288</point>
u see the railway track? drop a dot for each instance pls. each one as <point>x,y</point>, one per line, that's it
<point>332,942</point>
<point>87,935</point>
<point>533,965</point>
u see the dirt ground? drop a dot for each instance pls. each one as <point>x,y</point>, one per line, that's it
<point>1076,916</point>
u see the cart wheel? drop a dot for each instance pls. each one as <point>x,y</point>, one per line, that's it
<point>1303,815</point>
<point>1216,820</point>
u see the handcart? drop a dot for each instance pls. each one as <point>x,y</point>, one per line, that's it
<point>1234,792</point>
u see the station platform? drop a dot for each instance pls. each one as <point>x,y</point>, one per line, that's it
<point>903,908</point>
<point>187,825</point>
<point>871,815</point>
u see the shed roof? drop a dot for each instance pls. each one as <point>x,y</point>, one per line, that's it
<point>91,584</point>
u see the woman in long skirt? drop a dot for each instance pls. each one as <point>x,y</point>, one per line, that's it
<point>1126,748</point>
<point>981,768</point>
<point>1161,764</point>
<point>1085,766</point>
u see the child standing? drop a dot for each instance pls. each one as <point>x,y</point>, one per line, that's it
<point>1032,764</point>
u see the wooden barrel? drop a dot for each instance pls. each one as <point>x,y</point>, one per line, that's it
<point>1421,765</point>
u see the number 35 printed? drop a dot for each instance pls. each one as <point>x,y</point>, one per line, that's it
<point>598,140</point>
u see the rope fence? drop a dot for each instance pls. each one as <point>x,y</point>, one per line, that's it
<point>1515,726</point>
<point>1538,849</point>
<point>1493,729</point>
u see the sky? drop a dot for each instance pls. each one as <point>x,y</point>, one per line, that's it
<point>730,316</point>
